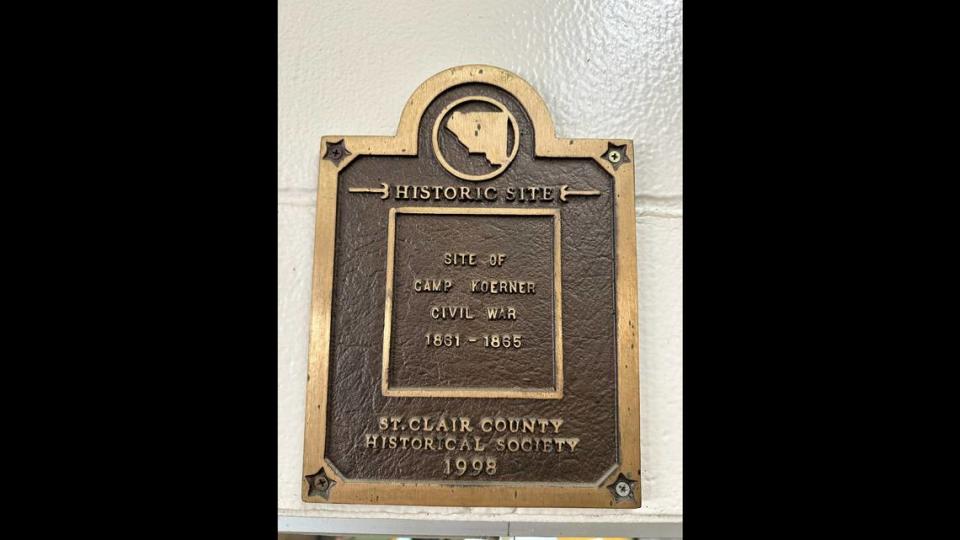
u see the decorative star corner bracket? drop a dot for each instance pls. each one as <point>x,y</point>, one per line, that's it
<point>336,151</point>
<point>616,155</point>
<point>319,484</point>
<point>623,488</point>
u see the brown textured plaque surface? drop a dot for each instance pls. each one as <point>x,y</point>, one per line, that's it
<point>474,308</point>
<point>529,237</point>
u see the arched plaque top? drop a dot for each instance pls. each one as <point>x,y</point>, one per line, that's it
<point>528,97</point>
<point>546,143</point>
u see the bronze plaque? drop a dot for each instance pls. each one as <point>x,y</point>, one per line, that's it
<point>474,319</point>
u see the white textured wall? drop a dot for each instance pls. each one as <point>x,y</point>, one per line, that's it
<point>607,69</point>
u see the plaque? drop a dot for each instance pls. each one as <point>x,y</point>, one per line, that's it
<point>473,337</point>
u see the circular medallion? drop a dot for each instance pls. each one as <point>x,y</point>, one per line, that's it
<point>476,126</point>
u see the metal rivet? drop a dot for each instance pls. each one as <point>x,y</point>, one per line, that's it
<point>614,156</point>
<point>623,489</point>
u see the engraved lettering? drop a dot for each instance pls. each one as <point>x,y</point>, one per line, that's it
<point>527,194</point>
<point>497,313</point>
<point>524,435</point>
<point>460,259</point>
<point>494,286</point>
<point>432,285</point>
<point>448,313</point>
<point>496,259</point>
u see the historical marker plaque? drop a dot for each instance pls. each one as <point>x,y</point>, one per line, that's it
<point>474,321</point>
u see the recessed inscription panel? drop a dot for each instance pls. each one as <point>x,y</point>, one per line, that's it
<point>468,332</point>
<point>475,295</point>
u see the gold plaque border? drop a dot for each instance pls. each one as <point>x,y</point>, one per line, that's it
<point>556,392</point>
<point>546,144</point>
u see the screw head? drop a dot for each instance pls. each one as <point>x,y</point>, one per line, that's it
<point>622,489</point>
<point>335,153</point>
<point>320,482</point>
<point>614,156</point>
